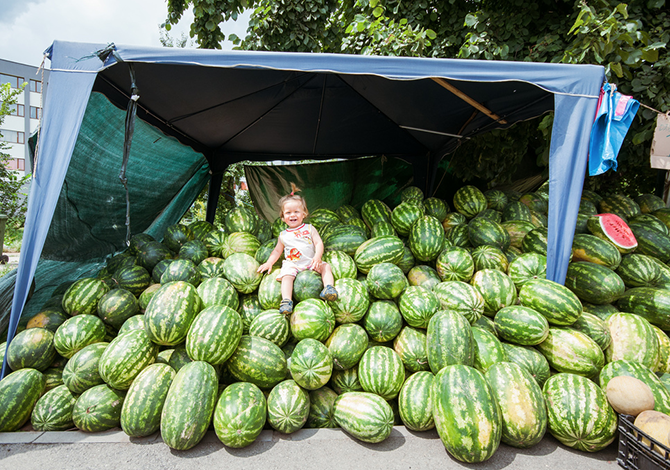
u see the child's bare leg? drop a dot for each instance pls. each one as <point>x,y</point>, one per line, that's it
<point>287,287</point>
<point>328,293</point>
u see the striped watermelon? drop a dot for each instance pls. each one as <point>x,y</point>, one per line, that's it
<point>383,320</point>
<point>117,305</point>
<point>259,361</point>
<point>312,318</point>
<point>426,238</point>
<point>381,371</point>
<point>649,203</point>
<point>557,303</point>
<point>522,407</point>
<point>366,416</point>
<point>384,249</point>
<point>182,270</point>
<point>346,212</point>
<point>159,270</point>
<point>587,247</point>
<point>77,333</point>
<point>489,257</point>
<point>496,288</point>
<point>424,276</point>
<point>269,291</point>
<point>288,407</point>
<point>19,391</point>
<point>535,241</point>
<point>311,364</point>
<point>633,339</point>
<point>218,291</point>
<point>521,325</point>
<point>530,359</point>
<point>374,211</point>
<point>346,345</point>
<point>53,411</point>
<point>517,230</point>
<point>188,406</point>
<point>50,318</point>
<point>595,328</point>
<point>488,349</point>
<point>516,211</point>
<point>241,219</point>
<point>527,267</point>
<point>98,409</point>
<point>663,365</point>
<point>436,207</point>
<point>483,231</point>
<point>81,372</point>
<point>143,405</point>
<point>32,348</point>
<point>621,205</point>
<point>612,228</point>
<point>125,357</point>
<point>467,416</point>
<point>240,242</point>
<point>200,228</point>
<point>578,414</point>
<point>170,313</point>
<point>651,303</point>
<point>321,410</point>
<point>352,300</point>
<point>572,351</point>
<point>417,306</point>
<point>271,325</point>
<point>195,250</point>
<point>343,381</point>
<point>132,278</point>
<point>469,201</point>
<point>176,235</point>
<point>265,250</point>
<point>641,372</point>
<point>410,344</point>
<point>241,270</point>
<point>214,335</point>
<point>594,283</point>
<point>386,281</point>
<point>495,199</point>
<point>455,263</point>
<point>83,296</point>
<point>151,253</point>
<point>346,238</point>
<point>136,322</point>
<point>449,341</point>
<point>341,264</point>
<point>415,403</point>
<point>458,236</point>
<point>460,297</point>
<point>240,414</point>
<point>215,241</point>
<point>249,308</point>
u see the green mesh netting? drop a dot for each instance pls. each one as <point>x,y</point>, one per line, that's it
<point>328,185</point>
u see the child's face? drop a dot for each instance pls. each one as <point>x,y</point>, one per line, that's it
<point>293,213</point>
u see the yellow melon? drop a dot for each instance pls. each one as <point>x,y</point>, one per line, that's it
<point>629,396</point>
<point>656,425</point>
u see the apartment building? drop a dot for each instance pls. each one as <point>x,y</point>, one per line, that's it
<point>26,113</point>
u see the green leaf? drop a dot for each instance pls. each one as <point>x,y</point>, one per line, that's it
<point>470,20</point>
<point>616,68</point>
<point>360,27</point>
<point>431,34</point>
<point>377,12</point>
<point>655,4</point>
<point>210,25</point>
<point>650,55</point>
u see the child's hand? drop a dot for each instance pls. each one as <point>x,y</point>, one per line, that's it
<point>316,263</point>
<point>264,267</point>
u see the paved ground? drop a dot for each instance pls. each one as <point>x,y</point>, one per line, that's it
<point>322,449</point>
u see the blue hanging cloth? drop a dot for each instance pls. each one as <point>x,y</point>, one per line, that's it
<point>614,117</point>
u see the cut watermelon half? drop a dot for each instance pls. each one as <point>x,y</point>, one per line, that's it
<point>612,228</point>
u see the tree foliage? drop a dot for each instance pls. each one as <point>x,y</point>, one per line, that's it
<point>629,39</point>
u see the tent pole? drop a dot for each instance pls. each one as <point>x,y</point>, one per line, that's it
<point>445,84</point>
<point>213,196</point>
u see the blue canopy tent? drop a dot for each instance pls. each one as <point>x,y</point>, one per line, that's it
<point>235,106</point>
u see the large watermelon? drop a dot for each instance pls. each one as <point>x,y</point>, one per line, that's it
<point>125,357</point>
<point>240,414</point>
<point>288,407</point>
<point>19,391</point>
<point>259,361</point>
<point>366,416</point>
<point>311,364</point>
<point>170,313</point>
<point>449,341</point>
<point>143,405</point>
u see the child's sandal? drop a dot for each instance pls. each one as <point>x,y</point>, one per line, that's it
<point>328,293</point>
<point>286,307</point>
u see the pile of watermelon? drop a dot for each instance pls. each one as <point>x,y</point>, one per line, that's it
<point>445,319</point>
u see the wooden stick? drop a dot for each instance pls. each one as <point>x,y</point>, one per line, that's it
<point>467,99</point>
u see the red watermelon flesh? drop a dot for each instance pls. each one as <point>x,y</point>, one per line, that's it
<point>613,228</point>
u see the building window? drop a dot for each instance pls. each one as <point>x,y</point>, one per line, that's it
<point>35,86</point>
<point>17,164</point>
<point>14,137</point>
<point>35,113</point>
<point>17,110</point>
<point>14,82</point>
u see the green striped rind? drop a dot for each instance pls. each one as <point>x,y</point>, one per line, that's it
<point>159,270</point>
<point>176,235</point>
<point>341,264</point>
<point>496,288</point>
<point>663,365</point>
<point>53,411</point>
<point>386,281</point>
<point>484,231</point>
<point>382,228</point>
<point>601,311</point>
<point>77,333</point>
<point>264,251</point>
<point>426,238</point>
<point>535,241</point>
<point>311,364</point>
<point>200,228</point>
<point>578,414</point>
<point>651,242</point>
<point>455,263</point>
<point>32,348</point>
<point>98,409</point>
<point>151,253</point>
<point>458,236</point>
<point>83,296</point>
<point>384,249</point>
<point>556,302</point>
<point>259,361</point>
<point>215,243</point>
<point>489,257</point>
<point>489,350</point>
<point>516,211</point>
<point>381,371</point>
<point>307,285</point>
<point>214,335</point>
<point>651,303</point>
<point>417,306</point>
<point>595,328</point>
<point>133,279</point>
<point>572,351</point>
<point>410,344</point>
<point>522,407</point>
<point>50,318</point>
<point>241,219</point>
<point>486,323</point>
<point>527,267</point>
<point>594,283</point>
<point>469,201</point>
<point>460,297</point>
<point>272,325</point>
<point>530,359</point>
<point>240,414</point>
<point>241,270</point>
<point>521,325</point>
<point>640,372</point>
<point>467,415</point>
<point>424,276</point>
<point>218,291</point>
<point>321,217</point>
<point>415,403</point>
<point>449,341</point>
<point>343,381</point>
<point>620,205</point>
<point>178,358</point>
<point>53,377</point>
<point>181,270</point>
<point>633,339</point>
<point>142,408</point>
<point>599,225</point>
<point>649,203</point>
<point>19,391</point>
<point>249,308</point>
<point>404,215</point>
<point>321,408</point>
<point>269,291</point>
<point>366,416</point>
<point>346,238</point>
<point>496,199</point>
<point>189,405</point>
<point>383,321</point>
<point>517,230</point>
<point>170,313</point>
<point>374,211</point>
<point>346,345</point>
<point>117,305</point>
<point>125,357</point>
<point>288,407</point>
<point>81,372</point>
<point>352,300</point>
<point>587,247</point>
<point>346,212</point>
<point>240,242</point>
<point>312,318</point>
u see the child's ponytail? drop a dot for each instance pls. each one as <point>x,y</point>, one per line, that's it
<point>293,196</point>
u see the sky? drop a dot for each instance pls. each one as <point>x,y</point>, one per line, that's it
<point>28,27</point>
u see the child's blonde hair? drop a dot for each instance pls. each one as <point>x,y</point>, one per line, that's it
<point>293,197</point>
